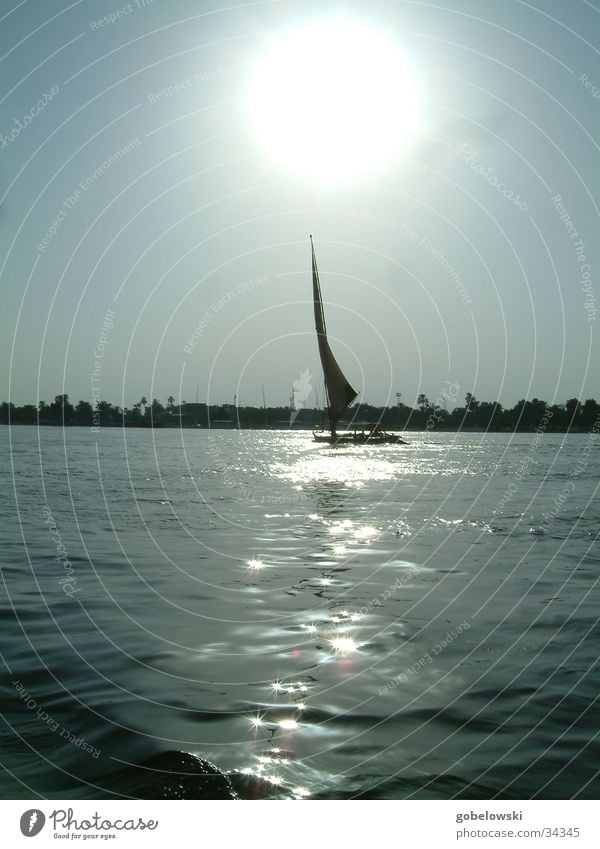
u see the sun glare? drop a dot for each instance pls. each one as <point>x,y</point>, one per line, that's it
<point>333,99</point>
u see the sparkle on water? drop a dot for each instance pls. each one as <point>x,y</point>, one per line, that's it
<point>301,792</point>
<point>365,533</point>
<point>344,645</point>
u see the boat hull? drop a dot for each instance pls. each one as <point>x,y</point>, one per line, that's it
<point>360,439</point>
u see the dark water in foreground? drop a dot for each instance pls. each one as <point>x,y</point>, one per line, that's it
<point>393,622</point>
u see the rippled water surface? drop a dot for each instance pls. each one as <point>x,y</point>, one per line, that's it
<point>387,622</point>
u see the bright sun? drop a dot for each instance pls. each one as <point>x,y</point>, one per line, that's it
<point>334,99</point>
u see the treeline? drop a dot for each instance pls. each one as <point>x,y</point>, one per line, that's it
<point>573,415</point>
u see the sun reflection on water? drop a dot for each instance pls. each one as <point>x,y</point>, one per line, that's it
<point>332,637</point>
<point>338,534</point>
<point>351,469</point>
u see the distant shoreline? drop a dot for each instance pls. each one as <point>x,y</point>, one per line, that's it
<point>294,429</point>
<point>475,416</point>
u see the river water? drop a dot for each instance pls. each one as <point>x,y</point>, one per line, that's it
<point>386,622</point>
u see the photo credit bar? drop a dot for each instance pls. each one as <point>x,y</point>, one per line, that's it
<point>443,823</point>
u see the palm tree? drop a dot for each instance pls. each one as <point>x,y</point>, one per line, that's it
<point>471,402</point>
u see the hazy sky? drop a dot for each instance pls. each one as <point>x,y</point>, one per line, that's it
<point>456,262</point>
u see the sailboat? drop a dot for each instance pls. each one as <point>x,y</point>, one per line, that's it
<point>339,393</point>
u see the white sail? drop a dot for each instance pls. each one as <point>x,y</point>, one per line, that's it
<point>339,392</point>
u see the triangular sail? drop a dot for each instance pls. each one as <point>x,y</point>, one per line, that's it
<point>339,392</point>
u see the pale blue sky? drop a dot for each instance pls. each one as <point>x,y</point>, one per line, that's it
<point>194,212</point>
